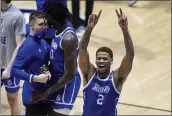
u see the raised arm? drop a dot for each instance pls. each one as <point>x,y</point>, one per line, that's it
<point>127,62</point>
<point>85,65</point>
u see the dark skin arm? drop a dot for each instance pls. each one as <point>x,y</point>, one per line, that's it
<point>86,67</point>
<point>69,44</point>
<point>127,62</point>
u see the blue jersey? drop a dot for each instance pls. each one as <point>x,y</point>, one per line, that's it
<point>32,55</point>
<point>57,56</point>
<point>100,97</point>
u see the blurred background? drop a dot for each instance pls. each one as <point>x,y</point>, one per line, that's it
<point>147,90</point>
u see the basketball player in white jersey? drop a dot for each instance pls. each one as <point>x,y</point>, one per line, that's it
<point>12,36</point>
<point>101,86</point>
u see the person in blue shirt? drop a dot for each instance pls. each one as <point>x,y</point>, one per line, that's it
<point>65,80</point>
<point>32,55</point>
<point>102,85</point>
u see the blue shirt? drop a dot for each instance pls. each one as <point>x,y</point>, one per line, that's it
<point>100,97</point>
<point>32,55</point>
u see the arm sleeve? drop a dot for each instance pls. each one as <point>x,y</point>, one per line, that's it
<point>21,61</point>
<point>20,25</point>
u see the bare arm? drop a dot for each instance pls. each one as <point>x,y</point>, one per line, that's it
<point>69,44</point>
<point>87,68</point>
<point>127,62</point>
<point>19,27</point>
<point>84,61</point>
<point>19,41</point>
<point>20,31</point>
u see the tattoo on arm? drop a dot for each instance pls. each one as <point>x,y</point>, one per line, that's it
<point>128,43</point>
<point>84,62</point>
<point>85,39</point>
<point>127,62</point>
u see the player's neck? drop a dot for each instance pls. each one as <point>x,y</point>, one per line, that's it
<point>103,75</point>
<point>62,27</point>
<point>5,6</point>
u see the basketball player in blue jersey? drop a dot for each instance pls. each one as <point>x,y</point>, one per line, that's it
<point>102,87</point>
<point>65,78</point>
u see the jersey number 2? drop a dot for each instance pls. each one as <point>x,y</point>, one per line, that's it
<point>100,99</point>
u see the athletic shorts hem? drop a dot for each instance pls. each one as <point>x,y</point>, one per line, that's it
<point>12,90</point>
<point>60,105</point>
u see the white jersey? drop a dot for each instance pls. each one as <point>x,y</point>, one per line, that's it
<point>12,24</point>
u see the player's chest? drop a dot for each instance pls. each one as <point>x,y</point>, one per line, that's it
<point>103,88</point>
<point>40,52</point>
<point>56,43</point>
<point>7,21</point>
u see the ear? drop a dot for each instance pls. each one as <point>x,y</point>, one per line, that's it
<point>31,24</point>
<point>111,62</point>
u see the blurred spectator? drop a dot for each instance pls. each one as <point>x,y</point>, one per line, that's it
<point>78,23</point>
<point>132,2</point>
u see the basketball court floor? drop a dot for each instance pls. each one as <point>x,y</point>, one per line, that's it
<point>147,90</point>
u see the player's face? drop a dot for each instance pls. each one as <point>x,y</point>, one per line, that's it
<point>103,62</point>
<point>40,24</point>
<point>50,20</point>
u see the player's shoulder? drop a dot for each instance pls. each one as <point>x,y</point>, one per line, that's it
<point>28,42</point>
<point>69,41</point>
<point>115,72</point>
<point>17,11</point>
<point>44,43</point>
<point>69,33</point>
<point>69,30</point>
<point>26,47</point>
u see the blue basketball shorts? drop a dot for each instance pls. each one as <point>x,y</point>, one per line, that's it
<point>11,85</point>
<point>66,96</point>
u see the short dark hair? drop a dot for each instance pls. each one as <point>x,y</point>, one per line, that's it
<point>36,14</point>
<point>105,49</point>
<point>57,10</point>
<point>7,1</point>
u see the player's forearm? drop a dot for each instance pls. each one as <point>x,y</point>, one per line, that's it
<point>18,73</point>
<point>128,43</point>
<point>13,58</point>
<point>65,79</point>
<point>19,41</point>
<point>85,38</point>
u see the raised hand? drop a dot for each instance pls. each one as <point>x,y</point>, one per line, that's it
<point>93,19</point>
<point>122,19</point>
